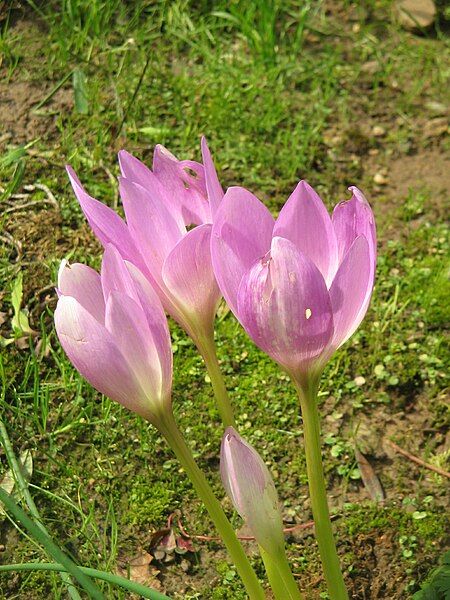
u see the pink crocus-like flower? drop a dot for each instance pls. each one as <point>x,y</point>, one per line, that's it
<point>161,206</point>
<point>113,328</point>
<point>300,285</point>
<point>251,489</point>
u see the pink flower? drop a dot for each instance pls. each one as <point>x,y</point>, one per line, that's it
<point>251,489</point>
<point>160,207</point>
<point>113,328</point>
<point>300,285</point>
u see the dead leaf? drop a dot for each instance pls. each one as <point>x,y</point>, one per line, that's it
<point>184,545</point>
<point>8,483</point>
<point>140,570</point>
<point>370,479</point>
<point>168,542</point>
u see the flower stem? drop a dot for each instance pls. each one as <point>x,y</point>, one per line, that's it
<point>280,576</point>
<point>169,429</point>
<point>207,349</point>
<point>307,392</point>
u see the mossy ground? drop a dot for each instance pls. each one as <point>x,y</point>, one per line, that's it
<point>336,93</point>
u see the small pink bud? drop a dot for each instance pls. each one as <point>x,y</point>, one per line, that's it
<point>250,487</point>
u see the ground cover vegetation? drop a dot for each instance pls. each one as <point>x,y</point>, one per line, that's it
<point>333,92</point>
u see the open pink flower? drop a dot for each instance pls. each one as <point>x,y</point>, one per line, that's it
<point>300,285</point>
<point>113,328</point>
<point>161,206</point>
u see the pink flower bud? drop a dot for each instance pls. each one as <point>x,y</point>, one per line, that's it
<point>250,487</point>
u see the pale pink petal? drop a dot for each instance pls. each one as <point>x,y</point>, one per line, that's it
<point>184,182</point>
<point>305,221</point>
<point>351,290</point>
<point>115,275</point>
<point>93,352</point>
<point>157,321</point>
<point>135,170</point>
<point>189,277</point>
<point>153,228</point>
<point>127,323</point>
<point>213,187</point>
<point>241,234</point>
<point>352,218</point>
<point>84,284</point>
<point>105,223</point>
<point>284,306</point>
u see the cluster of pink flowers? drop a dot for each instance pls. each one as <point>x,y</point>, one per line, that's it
<point>300,285</point>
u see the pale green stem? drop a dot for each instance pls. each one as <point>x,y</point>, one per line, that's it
<point>307,391</point>
<point>280,575</point>
<point>25,492</point>
<point>168,427</point>
<point>207,349</point>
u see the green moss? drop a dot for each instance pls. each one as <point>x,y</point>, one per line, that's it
<point>148,503</point>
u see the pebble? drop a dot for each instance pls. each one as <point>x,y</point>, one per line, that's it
<point>378,131</point>
<point>415,15</point>
<point>360,380</point>
<point>380,179</point>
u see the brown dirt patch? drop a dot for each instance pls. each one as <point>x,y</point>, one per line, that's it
<point>18,122</point>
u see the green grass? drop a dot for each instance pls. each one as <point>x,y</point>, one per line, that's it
<point>270,83</point>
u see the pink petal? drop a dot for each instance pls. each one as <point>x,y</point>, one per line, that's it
<point>157,322</point>
<point>115,275</point>
<point>84,284</point>
<point>153,228</point>
<point>93,352</point>
<point>284,306</point>
<point>189,276</point>
<point>184,181</point>
<point>305,221</point>
<point>213,187</point>
<point>127,323</point>
<point>241,234</point>
<point>352,218</point>
<point>351,290</point>
<point>105,223</point>
<point>137,172</point>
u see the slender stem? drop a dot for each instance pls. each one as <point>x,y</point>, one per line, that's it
<point>22,485</point>
<point>137,588</point>
<point>280,576</point>
<point>307,392</point>
<point>169,429</point>
<point>207,349</point>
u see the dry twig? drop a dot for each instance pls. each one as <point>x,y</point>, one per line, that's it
<point>418,460</point>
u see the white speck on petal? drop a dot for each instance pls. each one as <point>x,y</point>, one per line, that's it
<point>308,313</point>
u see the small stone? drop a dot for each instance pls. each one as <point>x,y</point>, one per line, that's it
<point>370,67</point>
<point>378,131</point>
<point>374,152</point>
<point>360,380</point>
<point>380,179</point>
<point>415,15</point>
<point>437,108</point>
<point>435,127</point>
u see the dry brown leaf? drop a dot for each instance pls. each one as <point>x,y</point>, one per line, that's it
<point>370,479</point>
<point>140,570</point>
